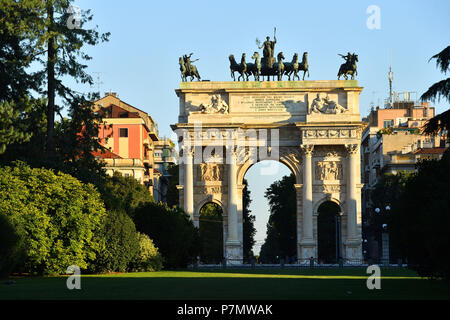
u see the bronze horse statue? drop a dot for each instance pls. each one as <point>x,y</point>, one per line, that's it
<point>188,73</point>
<point>254,69</point>
<point>294,66</point>
<point>348,68</point>
<point>240,68</point>
<point>276,70</point>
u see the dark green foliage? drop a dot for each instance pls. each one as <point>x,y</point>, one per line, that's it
<point>56,216</point>
<point>148,257</point>
<point>124,193</point>
<point>11,130</point>
<point>211,233</point>
<point>119,243</point>
<point>248,225</point>
<point>282,226</point>
<point>172,197</point>
<point>172,231</point>
<point>439,123</point>
<point>441,88</point>
<point>12,251</point>
<point>420,220</point>
<point>386,193</point>
<point>35,32</point>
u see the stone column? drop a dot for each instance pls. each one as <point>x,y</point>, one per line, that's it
<point>307,245</point>
<point>353,243</point>
<point>352,163</point>
<point>188,182</point>
<point>233,244</point>
<point>298,198</point>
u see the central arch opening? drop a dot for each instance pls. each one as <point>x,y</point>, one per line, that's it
<point>328,229</point>
<point>211,233</point>
<point>273,205</point>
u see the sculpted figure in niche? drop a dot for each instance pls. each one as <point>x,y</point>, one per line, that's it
<point>328,170</point>
<point>210,171</point>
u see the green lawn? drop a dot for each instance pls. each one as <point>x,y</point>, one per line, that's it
<point>232,284</point>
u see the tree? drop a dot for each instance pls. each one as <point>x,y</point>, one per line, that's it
<point>387,192</point>
<point>172,231</point>
<point>248,224</point>
<point>55,215</point>
<point>148,257</point>
<point>173,196</point>
<point>12,249</point>
<point>10,131</point>
<point>441,88</point>
<point>41,33</point>
<point>124,193</point>
<point>211,233</point>
<point>119,243</point>
<point>282,226</point>
<point>420,221</point>
<point>437,91</point>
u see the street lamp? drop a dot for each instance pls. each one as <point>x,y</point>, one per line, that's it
<point>384,238</point>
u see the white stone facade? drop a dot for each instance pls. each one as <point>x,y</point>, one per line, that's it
<point>273,120</point>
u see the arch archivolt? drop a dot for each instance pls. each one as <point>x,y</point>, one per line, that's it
<point>326,199</point>
<point>210,199</point>
<point>289,156</point>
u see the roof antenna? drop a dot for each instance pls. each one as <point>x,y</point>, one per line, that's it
<point>391,78</point>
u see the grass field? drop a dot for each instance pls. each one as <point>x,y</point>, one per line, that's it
<point>233,284</point>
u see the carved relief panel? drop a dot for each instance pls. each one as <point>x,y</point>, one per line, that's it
<point>328,170</point>
<point>210,172</point>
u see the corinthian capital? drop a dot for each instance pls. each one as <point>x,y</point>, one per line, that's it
<point>352,148</point>
<point>307,149</point>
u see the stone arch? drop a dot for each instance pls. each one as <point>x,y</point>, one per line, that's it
<point>211,251</point>
<point>329,249</point>
<point>208,199</point>
<point>325,199</point>
<point>284,158</point>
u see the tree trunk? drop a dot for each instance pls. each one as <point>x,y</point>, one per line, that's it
<point>51,53</point>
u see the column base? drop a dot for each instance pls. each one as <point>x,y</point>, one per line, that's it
<point>353,249</point>
<point>307,249</point>
<point>233,252</point>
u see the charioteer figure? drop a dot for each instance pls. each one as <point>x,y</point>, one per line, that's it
<point>269,49</point>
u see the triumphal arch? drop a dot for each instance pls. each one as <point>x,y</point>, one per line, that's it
<point>313,127</point>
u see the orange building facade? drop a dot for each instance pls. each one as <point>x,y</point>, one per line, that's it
<point>128,134</point>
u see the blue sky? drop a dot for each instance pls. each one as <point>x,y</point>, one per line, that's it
<point>140,62</point>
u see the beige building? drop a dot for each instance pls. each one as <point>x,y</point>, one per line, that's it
<point>392,141</point>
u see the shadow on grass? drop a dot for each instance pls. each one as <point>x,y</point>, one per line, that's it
<point>231,284</point>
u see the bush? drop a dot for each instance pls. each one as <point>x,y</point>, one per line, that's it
<point>148,257</point>
<point>172,232</point>
<point>124,193</point>
<point>120,244</point>
<point>56,216</point>
<point>11,247</point>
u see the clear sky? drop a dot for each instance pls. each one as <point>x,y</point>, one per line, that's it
<point>140,62</point>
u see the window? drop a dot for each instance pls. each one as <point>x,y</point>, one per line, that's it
<point>123,132</point>
<point>388,123</point>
